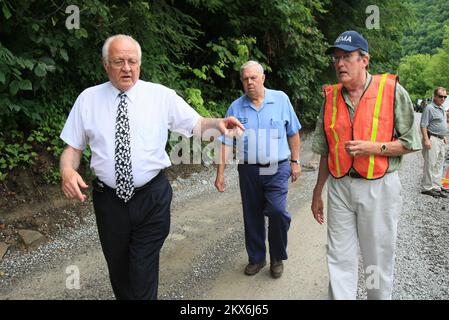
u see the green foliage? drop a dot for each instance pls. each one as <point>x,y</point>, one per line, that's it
<point>196,101</point>
<point>232,53</point>
<point>224,61</point>
<point>422,73</point>
<point>411,73</point>
<point>283,35</point>
<point>426,33</point>
<point>193,46</point>
<point>15,153</point>
<point>395,16</point>
<point>19,150</point>
<point>52,175</point>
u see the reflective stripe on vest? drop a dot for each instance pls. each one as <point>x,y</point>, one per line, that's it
<point>334,132</point>
<point>373,121</point>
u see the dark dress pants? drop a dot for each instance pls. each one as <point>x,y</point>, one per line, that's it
<point>132,235</point>
<point>265,195</point>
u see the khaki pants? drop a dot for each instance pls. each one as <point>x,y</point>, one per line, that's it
<point>362,213</point>
<point>433,164</point>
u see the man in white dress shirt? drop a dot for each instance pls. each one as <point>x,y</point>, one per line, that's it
<point>125,122</point>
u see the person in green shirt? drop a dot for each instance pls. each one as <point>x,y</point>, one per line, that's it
<point>360,211</point>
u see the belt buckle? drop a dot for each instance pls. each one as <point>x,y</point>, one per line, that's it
<point>354,175</point>
<point>98,185</point>
<point>266,165</point>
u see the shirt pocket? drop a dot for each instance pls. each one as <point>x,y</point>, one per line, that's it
<point>242,120</point>
<point>277,128</point>
<point>150,137</point>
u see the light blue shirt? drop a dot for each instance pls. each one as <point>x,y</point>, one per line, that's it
<point>266,129</point>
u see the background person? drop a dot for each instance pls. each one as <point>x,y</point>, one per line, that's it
<point>434,129</point>
<point>270,155</point>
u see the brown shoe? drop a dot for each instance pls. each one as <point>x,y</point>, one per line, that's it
<point>276,268</point>
<point>251,269</point>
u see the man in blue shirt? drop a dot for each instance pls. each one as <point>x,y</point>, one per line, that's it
<point>268,153</point>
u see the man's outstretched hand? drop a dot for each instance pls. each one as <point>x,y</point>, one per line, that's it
<point>230,126</point>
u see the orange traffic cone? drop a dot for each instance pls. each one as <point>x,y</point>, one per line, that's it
<point>445,181</point>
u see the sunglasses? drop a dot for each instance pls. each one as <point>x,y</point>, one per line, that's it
<point>442,97</point>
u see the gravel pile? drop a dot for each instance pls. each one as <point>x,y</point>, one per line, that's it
<point>17,264</point>
<point>422,258</point>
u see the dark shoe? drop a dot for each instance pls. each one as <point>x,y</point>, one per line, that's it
<point>445,190</point>
<point>442,194</point>
<point>276,268</point>
<point>432,193</point>
<point>251,269</point>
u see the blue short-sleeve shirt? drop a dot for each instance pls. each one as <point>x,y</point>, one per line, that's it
<point>266,129</point>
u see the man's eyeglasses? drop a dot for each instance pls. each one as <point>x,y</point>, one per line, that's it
<point>120,63</point>
<point>348,57</point>
<point>442,97</point>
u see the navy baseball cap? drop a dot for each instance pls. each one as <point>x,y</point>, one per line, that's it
<point>349,41</point>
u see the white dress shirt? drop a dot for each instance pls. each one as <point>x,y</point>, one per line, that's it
<point>153,109</point>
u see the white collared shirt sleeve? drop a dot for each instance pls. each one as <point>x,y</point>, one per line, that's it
<point>73,132</point>
<point>182,118</point>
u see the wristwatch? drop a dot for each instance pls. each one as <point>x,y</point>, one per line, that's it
<point>383,148</point>
<point>295,161</point>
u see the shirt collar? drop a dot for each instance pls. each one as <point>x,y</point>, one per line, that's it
<point>367,82</point>
<point>435,106</point>
<point>268,99</point>
<point>345,92</point>
<point>131,93</point>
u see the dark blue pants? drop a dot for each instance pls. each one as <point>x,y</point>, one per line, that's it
<point>265,195</point>
<point>132,236</point>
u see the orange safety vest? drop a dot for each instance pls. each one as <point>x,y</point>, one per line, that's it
<point>373,121</point>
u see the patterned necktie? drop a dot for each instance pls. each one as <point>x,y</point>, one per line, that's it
<point>123,167</point>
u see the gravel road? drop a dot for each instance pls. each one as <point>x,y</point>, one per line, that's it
<point>204,255</point>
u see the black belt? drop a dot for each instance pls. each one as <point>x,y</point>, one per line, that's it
<point>100,186</point>
<point>355,175</point>
<point>435,135</point>
<point>265,165</point>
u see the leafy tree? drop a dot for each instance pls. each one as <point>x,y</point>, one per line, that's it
<point>44,65</point>
<point>384,43</point>
<point>426,33</point>
<point>287,41</point>
<point>193,46</point>
<point>411,75</point>
<point>422,73</point>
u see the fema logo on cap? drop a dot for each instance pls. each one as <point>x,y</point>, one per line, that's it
<point>349,41</point>
<point>346,38</point>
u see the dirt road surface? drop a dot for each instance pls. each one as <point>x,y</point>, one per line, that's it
<point>203,257</point>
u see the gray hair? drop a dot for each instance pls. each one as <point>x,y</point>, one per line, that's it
<point>363,53</point>
<point>107,43</point>
<point>251,63</point>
